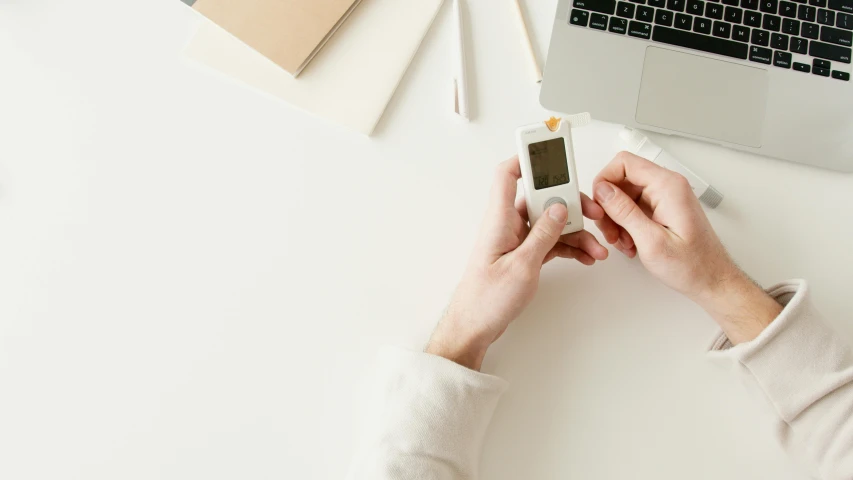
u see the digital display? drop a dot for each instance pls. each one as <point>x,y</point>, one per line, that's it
<point>549,163</point>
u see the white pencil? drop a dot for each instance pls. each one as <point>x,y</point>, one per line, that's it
<point>537,71</point>
<point>460,80</point>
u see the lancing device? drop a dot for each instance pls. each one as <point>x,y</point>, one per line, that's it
<point>635,142</point>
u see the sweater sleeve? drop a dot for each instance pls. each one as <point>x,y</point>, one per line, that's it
<point>805,371</point>
<point>426,419</point>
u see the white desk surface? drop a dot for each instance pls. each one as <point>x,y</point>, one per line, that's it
<point>195,277</point>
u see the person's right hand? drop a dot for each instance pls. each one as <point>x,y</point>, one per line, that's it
<point>652,212</point>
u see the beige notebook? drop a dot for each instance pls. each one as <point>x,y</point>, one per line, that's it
<point>288,32</point>
<point>351,81</point>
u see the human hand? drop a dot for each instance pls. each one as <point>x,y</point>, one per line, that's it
<point>503,273</point>
<point>652,212</point>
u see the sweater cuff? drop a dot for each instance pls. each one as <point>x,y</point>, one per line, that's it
<point>794,357</point>
<point>427,407</point>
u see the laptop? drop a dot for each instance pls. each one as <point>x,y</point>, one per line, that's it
<point>771,77</point>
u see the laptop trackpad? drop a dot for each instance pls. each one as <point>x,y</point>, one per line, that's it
<point>706,97</point>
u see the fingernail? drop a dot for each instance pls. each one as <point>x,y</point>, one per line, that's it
<point>604,192</point>
<point>558,212</point>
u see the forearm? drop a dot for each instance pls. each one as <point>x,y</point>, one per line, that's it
<point>740,307</point>
<point>805,371</point>
<point>456,339</point>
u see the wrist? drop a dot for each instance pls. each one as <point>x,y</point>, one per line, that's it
<point>740,307</point>
<point>454,340</point>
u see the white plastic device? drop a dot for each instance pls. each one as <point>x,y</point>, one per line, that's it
<point>635,142</point>
<point>548,170</point>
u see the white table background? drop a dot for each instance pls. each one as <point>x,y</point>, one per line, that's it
<point>194,277</point>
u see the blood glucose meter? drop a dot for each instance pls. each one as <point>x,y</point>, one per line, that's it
<point>548,170</point>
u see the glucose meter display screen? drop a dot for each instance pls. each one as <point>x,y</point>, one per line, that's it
<point>549,163</point>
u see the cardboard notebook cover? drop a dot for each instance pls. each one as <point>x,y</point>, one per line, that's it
<point>288,32</point>
<point>351,81</point>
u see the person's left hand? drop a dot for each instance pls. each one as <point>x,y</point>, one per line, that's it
<point>503,272</point>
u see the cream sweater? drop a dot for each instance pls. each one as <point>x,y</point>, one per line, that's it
<point>428,415</point>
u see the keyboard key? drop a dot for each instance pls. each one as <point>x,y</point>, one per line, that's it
<point>818,63</point>
<point>712,10</point>
<point>791,27</point>
<point>733,3</point>
<point>684,22</point>
<point>842,5</point>
<point>830,52</point>
<point>809,30</point>
<point>837,36</point>
<point>645,14</point>
<point>842,20</point>
<point>598,21</point>
<point>825,17</point>
<point>675,5</point>
<point>760,37</point>
<point>823,72</point>
<point>788,9</point>
<point>807,13</point>
<point>579,17</point>
<point>818,3</point>
<point>733,15</point>
<point>841,75</point>
<point>741,34</point>
<point>753,19</point>
<point>625,10</point>
<point>639,1</point>
<point>664,17</point>
<point>779,41</point>
<point>618,25</point>
<point>600,6</point>
<point>657,3</point>
<point>640,29</point>
<point>799,45</point>
<point>702,25</point>
<point>769,6</point>
<point>782,59</point>
<point>696,7</point>
<point>749,4</point>
<point>802,67</point>
<point>760,55</point>
<point>695,41</point>
<point>772,23</point>
<point>722,29</point>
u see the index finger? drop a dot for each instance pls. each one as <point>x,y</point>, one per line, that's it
<point>638,171</point>
<point>505,184</point>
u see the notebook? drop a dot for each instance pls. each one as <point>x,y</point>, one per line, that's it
<point>288,32</point>
<point>351,80</point>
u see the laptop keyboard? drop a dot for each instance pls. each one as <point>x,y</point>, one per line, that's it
<point>819,32</point>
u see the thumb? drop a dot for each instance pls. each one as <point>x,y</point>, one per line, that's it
<point>544,234</point>
<point>623,210</point>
